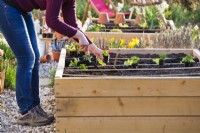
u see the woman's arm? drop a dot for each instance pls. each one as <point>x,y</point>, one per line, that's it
<point>69,15</point>
<point>52,19</point>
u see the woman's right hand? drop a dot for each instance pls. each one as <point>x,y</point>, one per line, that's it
<point>86,46</point>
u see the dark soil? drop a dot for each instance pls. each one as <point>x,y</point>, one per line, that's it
<point>146,67</point>
<point>130,29</point>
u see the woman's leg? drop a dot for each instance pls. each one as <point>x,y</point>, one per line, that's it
<point>35,72</point>
<point>14,29</point>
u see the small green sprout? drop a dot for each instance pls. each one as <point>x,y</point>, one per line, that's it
<point>87,57</point>
<point>161,57</point>
<point>74,63</point>
<point>187,59</point>
<point>101,62</point>
<point>105,52</point>
<point>83,67</point>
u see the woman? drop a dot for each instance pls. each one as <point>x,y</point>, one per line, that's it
<point>17,27</point>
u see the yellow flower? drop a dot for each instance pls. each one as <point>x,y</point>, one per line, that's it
<point>136,41</point>
<point>131,45</point>
<point>112,40</point>
<point>121,42</point>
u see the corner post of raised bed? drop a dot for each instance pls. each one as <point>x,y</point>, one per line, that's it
<point>61,64</point>
<point>196,53</point>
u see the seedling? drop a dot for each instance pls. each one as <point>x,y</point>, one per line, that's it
<point>83,67</point>
<point>161,60</point>
<point>105,56</point>
<point>87,57</point>
<point>74,63</point>
<point>132,62</point>
<point>188,61</point>
<point>105,52</point>
<point>101,62</point>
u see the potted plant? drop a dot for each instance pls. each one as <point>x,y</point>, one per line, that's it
<point>105,56</point>
<point>56,49</point>
<point>161,60</point>
<point>188,61</point>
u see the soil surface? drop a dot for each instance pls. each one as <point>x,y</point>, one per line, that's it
<point>130,29</point>
<point>146,67</point>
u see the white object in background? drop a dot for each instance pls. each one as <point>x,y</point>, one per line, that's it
<point>42,47</point>
<point>86,24</point>
<point>79,24</point>
<point>37,26</point>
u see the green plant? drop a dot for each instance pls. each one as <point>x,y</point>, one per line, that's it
<point>162,57</point>
<point>74,63</point>
<point>87,57</point>
<point>187,59</point>
<point>101,62</point>
<point>151,18</point>
<point>8,62</point>
<point>143,25</point>
<point>116,30</point>
<point>95,27</point>
<point>83,67</point>
<point>10,74</point>
<point>128,62</point>
<point>105,52</point>
<point>52,76</point>
<point>180,15</point>
<point>134,60</point>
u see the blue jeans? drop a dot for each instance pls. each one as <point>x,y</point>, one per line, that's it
<point>18,29</point>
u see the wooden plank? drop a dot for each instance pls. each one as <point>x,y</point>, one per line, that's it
<point>128,125</point>
<point>126,36</point>
<point>196,53</point>
<point>151,51</point>
<point>128,106</point>
<point>61,64</point>
<point>126,86</point>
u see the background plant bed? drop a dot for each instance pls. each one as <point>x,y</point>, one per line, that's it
<point>129,28</point>
<point>124,104</point>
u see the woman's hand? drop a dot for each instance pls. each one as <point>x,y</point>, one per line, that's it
<point>96,51</point>
<point>86,46</point>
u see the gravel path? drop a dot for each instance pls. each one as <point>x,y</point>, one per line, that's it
<point>9,108</point>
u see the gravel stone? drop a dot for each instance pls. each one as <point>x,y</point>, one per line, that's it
<point>9,112</point>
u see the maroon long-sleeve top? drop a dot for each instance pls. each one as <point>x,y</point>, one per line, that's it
<point>53,7</point>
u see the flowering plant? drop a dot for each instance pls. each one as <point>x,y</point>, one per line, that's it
<point>135,42</point>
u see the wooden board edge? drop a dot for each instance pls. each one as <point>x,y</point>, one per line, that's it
<point>128,124</point>
<point>61,64</point>
<point>196,53</point>
<point>151,51</point>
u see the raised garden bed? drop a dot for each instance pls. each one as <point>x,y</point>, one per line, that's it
<point>92,101</point>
